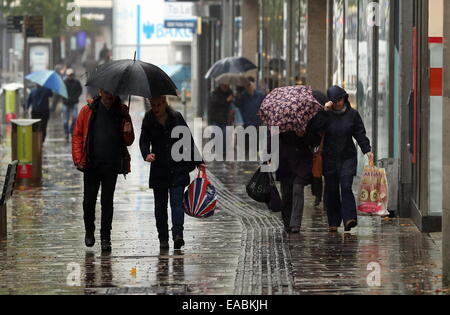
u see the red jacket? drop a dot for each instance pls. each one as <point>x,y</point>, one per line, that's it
<point>80,136</point>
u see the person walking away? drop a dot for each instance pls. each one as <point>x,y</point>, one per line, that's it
<point>168,178</point>
<point>219,111</point>
<point>70,105</point>
<point>295,173</point>
<point>38,100</point>
<point>341,124</point>
<point>102,132</point>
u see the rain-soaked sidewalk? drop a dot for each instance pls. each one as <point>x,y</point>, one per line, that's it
<point>241,250</point>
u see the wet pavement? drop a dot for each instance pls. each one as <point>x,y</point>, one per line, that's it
<point>241,250</point>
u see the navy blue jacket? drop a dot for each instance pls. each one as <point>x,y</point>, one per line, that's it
<point>156,139</point>
<point>249,106</point>
<point>39,99</point>
<point>339,152</point>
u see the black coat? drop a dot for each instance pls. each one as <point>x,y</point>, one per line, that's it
<point>339,152</point>
<point>296,156</point>
<point>156,139</point>
<point>219,107</point>
<point>74,91</point>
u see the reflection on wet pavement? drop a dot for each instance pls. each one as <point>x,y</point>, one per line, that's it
<point>241,250</point>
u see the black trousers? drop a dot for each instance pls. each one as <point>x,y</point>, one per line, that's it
<point>93,179</point>
<point>43,116</point>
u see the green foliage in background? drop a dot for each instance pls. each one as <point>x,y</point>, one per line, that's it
<point>54,11</point>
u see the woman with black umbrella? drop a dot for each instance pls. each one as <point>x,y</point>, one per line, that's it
<point>341,124</point>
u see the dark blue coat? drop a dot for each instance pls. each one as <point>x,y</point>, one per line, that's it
<point>155,138</point>
<point>339,152</point>
<point>39,99</point>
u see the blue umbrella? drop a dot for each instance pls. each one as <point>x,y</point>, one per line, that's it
<point>50,80</point>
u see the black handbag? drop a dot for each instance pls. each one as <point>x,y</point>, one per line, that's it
<point>275,204</point>
<point>260,186</point>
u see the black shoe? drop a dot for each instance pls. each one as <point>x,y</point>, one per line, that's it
<point>287,229</point>
<point>349,225</point>
<point>89,239</point>
<point>178,243</point>
<point>106,245</point>
<point>163,244</point>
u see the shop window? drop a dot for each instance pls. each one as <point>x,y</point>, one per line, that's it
<point>384,106</point>
<point>351,50</point>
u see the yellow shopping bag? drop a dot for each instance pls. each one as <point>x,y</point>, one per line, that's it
<point>373,194</point>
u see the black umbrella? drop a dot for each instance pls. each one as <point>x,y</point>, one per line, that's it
<point>132,77</point>
<point>230,65</point>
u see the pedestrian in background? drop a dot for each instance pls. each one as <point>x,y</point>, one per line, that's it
<point>70,105</point>
<point>99,148</point>
<point>168,178</point>
<point>340,124</point>
<point>38,100</point>
<point>220,113</point>
<point>295,173</point>
<point>249,104</point>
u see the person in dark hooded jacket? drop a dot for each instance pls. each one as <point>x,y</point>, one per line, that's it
<point>341,124</point>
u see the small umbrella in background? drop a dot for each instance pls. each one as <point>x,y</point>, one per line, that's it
<point>49,79</point>
<point>233,79</point>
<point>230,65</point>
<point>290,108</point>
<point>132,77</point>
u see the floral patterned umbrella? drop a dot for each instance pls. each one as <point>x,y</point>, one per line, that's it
<point>289,108</point>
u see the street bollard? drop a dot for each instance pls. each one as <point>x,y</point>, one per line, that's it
<point>26,145</point>
<point>8,189</point>
<point>10,101</point>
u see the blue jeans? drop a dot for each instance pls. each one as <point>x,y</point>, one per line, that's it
<point>340,201</point>
<point>176,204</point>
<point>69,110</point>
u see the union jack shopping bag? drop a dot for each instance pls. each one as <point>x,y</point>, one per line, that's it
<point>200,199</point>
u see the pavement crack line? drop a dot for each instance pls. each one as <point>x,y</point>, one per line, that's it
<point>260,251</point>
